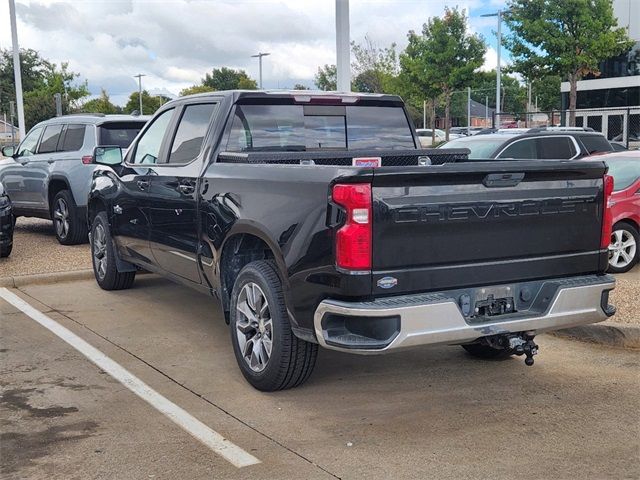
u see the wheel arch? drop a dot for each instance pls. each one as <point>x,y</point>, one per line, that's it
<point>57,184</point>
<point>240,248</point>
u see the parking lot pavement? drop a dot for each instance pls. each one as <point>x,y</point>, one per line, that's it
<point>36,250</point>
<point>430,412</point>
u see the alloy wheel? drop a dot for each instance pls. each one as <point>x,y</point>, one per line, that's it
<point>622,250</point>
<point>100,251</point>
<point>254,327</point>
<point>61,218</point>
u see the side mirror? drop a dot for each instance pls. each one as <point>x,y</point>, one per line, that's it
<point>107,155</point>
<point>8,151</point>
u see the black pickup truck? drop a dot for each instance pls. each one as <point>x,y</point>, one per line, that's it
<point>316,220</point>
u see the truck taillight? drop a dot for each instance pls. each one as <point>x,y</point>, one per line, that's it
<point>607,216</point>
<point>353,239</point>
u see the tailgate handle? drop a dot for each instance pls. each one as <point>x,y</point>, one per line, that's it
<point>494,180</point>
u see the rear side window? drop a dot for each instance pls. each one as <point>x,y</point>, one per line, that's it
<point>72,139</point>
<point>50,137</point>
<point>119,133</point>
<point>190,133</point>
<point>520,150</point>
<point>559,148</point>
<point>595,144</point>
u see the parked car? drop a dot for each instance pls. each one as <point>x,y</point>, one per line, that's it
<point>49,173</point>
<point>425,136</point>
<point>624,167</point>
<point>291,209</point>
<point>536,143</point>
<point>6,223</point>
<point>464,131</point>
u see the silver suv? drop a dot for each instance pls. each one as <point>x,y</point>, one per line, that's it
<point>49,174</point>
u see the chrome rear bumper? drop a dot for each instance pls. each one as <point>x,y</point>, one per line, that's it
<point>427,319</point>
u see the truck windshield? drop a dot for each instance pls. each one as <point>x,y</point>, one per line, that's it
<point>318,127</point>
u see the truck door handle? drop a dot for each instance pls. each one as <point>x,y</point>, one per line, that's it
<point>142,184</point>
<point>186,188</point>
<point>50,161</point>
<point>495,180</point>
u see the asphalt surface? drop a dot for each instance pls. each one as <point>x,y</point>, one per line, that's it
<point>424,413</point>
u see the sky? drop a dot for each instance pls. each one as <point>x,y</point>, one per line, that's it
<point>175,42</point>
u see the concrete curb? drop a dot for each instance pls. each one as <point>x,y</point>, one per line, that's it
<point>45,278</point>
<point>608,333</point>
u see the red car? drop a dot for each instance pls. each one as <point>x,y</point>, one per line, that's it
<point>625,203</point>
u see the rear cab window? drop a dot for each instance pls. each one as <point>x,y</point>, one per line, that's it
<point>119,133</point>
<point>285,127</point>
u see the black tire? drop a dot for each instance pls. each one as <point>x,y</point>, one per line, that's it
<point>626,231</point>
<point>5,250</point>
<point>107,274</point>
<point>487,352</point>
<point>291,360</point>
<point>69,226</point>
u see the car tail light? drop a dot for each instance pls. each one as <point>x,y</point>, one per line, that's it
<point>607,216</point>
<point>87,159</point>
<point>353,239</point>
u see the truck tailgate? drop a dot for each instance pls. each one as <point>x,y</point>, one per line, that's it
<point>483,223</point>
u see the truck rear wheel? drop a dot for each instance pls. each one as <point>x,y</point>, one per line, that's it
<point>269,355</point>
<point>103,257</point>
<point>481,350</point>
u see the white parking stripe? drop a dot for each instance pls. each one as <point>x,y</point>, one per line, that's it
<point>212,439</point>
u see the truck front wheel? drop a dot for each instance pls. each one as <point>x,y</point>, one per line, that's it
<point>103,257</point>
<point>269,355</point>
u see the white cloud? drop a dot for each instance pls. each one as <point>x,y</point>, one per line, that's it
<point>175,43</point>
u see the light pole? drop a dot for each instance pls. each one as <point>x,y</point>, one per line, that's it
<point>16,68</point>
<point>139,77</point>
<point>499,35</point>
<point>259,56</point>
<point>343,52</point>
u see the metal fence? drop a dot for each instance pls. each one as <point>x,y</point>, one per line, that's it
<point>618,124</point>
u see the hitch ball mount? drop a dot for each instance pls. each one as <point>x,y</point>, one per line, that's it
<point>523,344</point>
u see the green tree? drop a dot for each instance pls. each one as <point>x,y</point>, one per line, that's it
<point>547,91</point>
<point>375,69</point>
<point>102,104</point>
<point>41,80</point>
<point>195,89</point>
<point>443,58</point>
<point>150,103</point>
<point>229,79</point>
<point>326,78</point>
<point>568,38</point>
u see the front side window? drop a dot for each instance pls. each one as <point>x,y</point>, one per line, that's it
<point>148,148</point>
<point>190,133</point>
<point>318,127</point>
<point>28,145</point>
<point>50,137</point>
